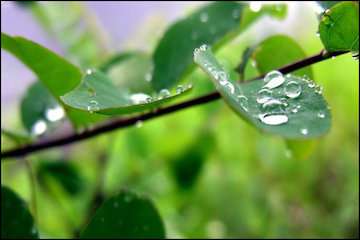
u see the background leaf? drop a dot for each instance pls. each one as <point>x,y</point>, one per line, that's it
<point>242,98</point>
<point>126,215</point>
<point>338,30</point>
<point>16,220</point>
<point>277,51</point>
<point>213,24</point>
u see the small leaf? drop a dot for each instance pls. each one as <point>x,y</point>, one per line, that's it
<point>16,220</point>
<point>97,94</point>
<point>277,51</point>
<point>58,75</point>
<point>213,24</point>
<point>299,113</point>
<point>64,173</point>
<point>126,215</point>
<point>339,27</point>
<point>39,106</point>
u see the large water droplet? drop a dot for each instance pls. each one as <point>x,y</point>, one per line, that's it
<point>243,102</point>
<point>273,106</point>
<point>39,128</point>
<point>204,17</point>
<point>179,89</point>
<point>164,93</point>
<point>292,89</point>
<point>93,106</point>
<point>273,119</point>
<point>264,95</point>
<point>89,71</point>
<point>140,98</point>
<point>54,114</point>
<point>274,79</point>
<point>311,84</point>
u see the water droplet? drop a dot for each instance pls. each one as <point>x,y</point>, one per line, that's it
<point>204,17</point>
<point>355,55</point>
<point>319,89</point>
<point>321,114</point>
<point>148,77</point>
<point>294,110</point>
<point>179,89</point>
<point>39,128</point>
<point>311,84</point>
<point>273,106</point>
<point>253,63</point>
<point>327,11</point>
<point>204,47</point>
<point>230,87</point>
<point>139,124</point>
<point>243,102</point>
<point>264,95</point>
<point>54,114</point>
<point>327,21</point>
<point>274,79</point>
<point>222,77</point>
<point>140,98</point>
<point>292,89</point>
<point>89,71</point>
<point>273,119</point>
<point>304,131</point>
<point>317,34</point>
<point>164,93</point>
<point>255,6</point>
<point>236,13</point>
<point>93,106</point>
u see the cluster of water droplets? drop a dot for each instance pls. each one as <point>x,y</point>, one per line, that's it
<point>275,105</point>
<point>93,104</point>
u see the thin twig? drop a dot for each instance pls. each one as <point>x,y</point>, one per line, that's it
<point>125,122</point>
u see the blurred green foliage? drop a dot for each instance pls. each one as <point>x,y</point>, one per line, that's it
<point>247,184</point>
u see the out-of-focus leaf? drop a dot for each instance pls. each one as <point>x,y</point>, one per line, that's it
<point>130,70</point>
<point>126,215</point>
<point>16,220</point>
<point>98,94</point>
<point>75,28</point>
<point>213,24</point>
<point>17,137</point>
<point>187,166</point>
<point>277,51</point>
<point>39,106</point>
<point>301,149</point>
<point>64,173</point>
<point>339,27</point>
<point>304,116</point>
<point>244,61</point>
<point>58,75</point>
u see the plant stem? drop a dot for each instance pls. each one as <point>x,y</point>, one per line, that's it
<point>125,122</point>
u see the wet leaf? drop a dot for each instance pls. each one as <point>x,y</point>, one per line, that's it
<point>16,220</point>
<point>97,94</point>
<point>281,115</point>
<point>126,215</point>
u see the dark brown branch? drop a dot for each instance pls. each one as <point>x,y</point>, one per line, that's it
<point>125,122</point>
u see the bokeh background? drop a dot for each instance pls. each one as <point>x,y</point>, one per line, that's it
<point>241,183</point>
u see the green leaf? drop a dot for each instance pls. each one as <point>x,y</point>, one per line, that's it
<point>277,51</point>
<point>339,27</point>
<point>17,137</point>
<point>64,173</point>
<point>58,75</point>
<point>98,94</point>
<point>213,24</point>
<point>126,215</point>
<point>16,220</point>
<point>37,106</point>
<point>187,166</point>
<point>130,70</point>
<point>311,120</point>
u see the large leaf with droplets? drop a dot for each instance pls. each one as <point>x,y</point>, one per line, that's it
<point>126,215</point>
<point>304,113</point>
<point>16,220</point>
<point>277,51</point>
<point>39,108</point>
<point>97,94</point>
<point>213,24</point>
<point>339,27</point>
<point>57,74</point>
